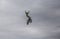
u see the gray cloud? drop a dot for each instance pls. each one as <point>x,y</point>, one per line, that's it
<point>45,15</point>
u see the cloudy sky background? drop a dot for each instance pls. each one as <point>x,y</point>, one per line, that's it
<point>45,15</point>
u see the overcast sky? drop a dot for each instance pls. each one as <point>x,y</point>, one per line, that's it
<point>45,16</point>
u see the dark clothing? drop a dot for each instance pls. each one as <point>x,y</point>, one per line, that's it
<point>29,20</point>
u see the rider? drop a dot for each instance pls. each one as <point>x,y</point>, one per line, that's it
<point>29,18</point>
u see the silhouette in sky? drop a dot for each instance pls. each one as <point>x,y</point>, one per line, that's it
<point>29,18</point>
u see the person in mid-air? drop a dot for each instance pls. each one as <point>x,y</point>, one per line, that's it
<point>29,18</point>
